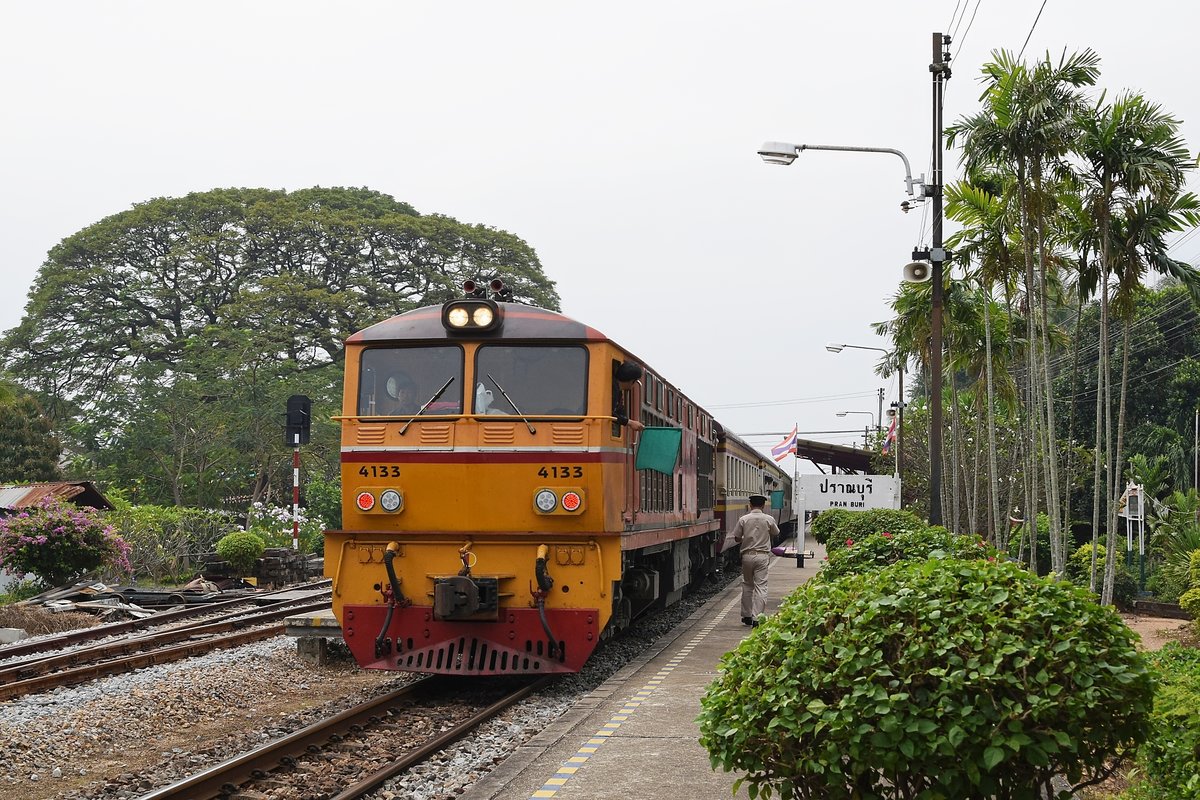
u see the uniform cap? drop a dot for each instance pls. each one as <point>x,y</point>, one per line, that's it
<point>758,498</point>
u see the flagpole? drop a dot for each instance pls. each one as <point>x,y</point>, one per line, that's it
<point>800,513</point>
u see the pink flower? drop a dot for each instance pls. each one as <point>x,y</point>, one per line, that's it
<point>849,543</point>
<point>887,535</point>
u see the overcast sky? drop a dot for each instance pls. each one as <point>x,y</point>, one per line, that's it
<point>617,139</point>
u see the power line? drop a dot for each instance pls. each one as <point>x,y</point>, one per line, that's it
<point>794,401</point>
<point>1031,27</point>
<point>972,22</point>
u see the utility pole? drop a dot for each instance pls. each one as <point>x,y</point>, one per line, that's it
<point>940,68</point>
<point>879,426</point>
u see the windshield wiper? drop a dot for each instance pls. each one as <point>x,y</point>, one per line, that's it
<point>528,424</point>
<point>428,403</point>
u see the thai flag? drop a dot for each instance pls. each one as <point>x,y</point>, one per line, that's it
<point>788,445</point>
<point>891,437</point>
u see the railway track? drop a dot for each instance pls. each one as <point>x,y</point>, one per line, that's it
<point>360,741</point>
<point>50,643</point>
<point>84,664</point>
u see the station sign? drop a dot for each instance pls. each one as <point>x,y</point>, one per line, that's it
<point>851,492</point>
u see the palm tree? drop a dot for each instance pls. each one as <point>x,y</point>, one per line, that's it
<point>985,241</point>
<point>1027,125</point>
<point>1134,168</point>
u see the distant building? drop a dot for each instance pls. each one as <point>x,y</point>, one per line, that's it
<point>81,493</point>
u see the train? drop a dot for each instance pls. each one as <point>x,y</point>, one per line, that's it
<point>497,516</point>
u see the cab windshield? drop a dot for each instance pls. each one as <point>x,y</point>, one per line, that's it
<point>539,380</point>
<point>395,381</point>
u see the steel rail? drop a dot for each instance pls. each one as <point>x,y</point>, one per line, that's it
<point>77,675</point>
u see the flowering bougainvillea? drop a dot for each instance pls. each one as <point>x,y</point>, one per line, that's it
<point>57,541</point>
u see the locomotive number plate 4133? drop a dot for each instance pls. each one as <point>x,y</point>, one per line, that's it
<point>379,471</point>
<point>563,471</point>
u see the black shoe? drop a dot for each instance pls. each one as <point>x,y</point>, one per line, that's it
<point>748,621</point>
<point>754,623</point>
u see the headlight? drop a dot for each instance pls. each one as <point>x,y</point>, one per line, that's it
<point>391,500</point>
<point>545,500</point>
<point>472,315</point>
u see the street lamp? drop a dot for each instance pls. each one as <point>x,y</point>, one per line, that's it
<point>784,153</point>
<point>869,414</point>
<point>837,348</point>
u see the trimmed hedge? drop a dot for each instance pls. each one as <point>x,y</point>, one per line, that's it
<point>879,550</point>
<point>837,524</point>
<point>942,678</point>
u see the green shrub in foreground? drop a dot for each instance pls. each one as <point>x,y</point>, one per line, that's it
<point>879,550</point>
<point>242,550</point>
<point>928,679</point>
<point>1169,760</point>
<point>838,524</point>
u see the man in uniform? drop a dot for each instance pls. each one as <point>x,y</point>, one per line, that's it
<point>755,532</point>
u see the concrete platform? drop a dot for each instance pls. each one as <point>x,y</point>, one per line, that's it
<point>636,735</point>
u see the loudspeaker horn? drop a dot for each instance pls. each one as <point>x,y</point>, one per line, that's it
<point>918,271</point>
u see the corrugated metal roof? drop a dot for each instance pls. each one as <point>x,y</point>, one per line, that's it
<point>81,493</point>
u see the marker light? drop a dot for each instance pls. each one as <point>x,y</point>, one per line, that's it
<point>365,501</point>
<point>545,501</point>
<point>391,500</point>
<point>571,501</point>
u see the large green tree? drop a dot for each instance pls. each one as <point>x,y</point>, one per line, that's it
<point>29,450</point>
<point>166,338</point>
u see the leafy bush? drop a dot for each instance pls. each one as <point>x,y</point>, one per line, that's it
<point>1020,536</point>
<point>1169,760</point>
<point>1189,601</point>
<point>1079,572</point>
<point>242,550</point>
<point>936,678</point>
<point>18,592</point>
<point>166,542</point>
<point>837,524</point>
<point>1194,570</point>
<point>878,550</point>
<point>58,542</point>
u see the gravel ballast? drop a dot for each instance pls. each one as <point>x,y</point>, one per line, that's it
<point>120,737</point>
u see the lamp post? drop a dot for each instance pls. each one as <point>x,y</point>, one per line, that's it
<point>837,348</point>
<point>785,153</point>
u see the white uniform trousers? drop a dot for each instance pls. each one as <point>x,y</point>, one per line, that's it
<point>754,584</point>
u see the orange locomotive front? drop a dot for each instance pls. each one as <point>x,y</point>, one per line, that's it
<point>494,521</point>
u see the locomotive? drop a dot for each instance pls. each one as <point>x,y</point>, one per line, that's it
<point>497,518</point>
